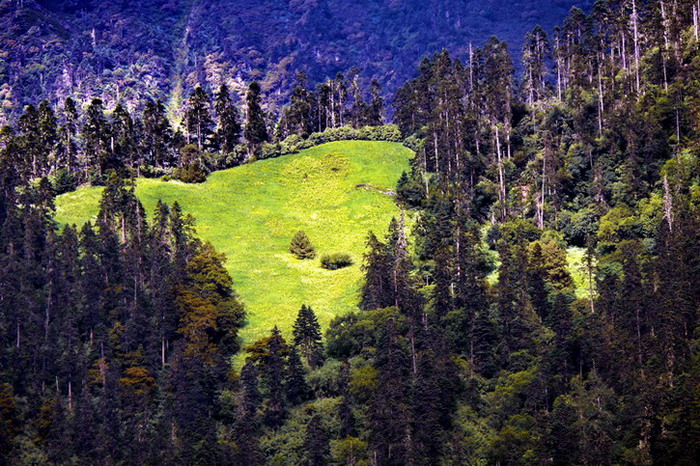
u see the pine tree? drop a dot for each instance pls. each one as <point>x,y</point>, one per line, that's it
<point>29,142</point>
<point>359,110</point>
<point>377,290</point>
<point>298,117</point>
<point>198,121</point>
<point>247,427</point>
<point>270,354</point>
<point>123,141</point>
<point>95,133</point>
<point>375,110</point>
<point>307,336</point>
<point>158,135</point>
<point>390,413</point>
<point>255,127</point>
<point>211,312</point>
<point>295,386</point>
<point>536,52</point>
<point>228,131</point>
<point>301,246</point>
<point>68,132</point>
<point>48,133</point>
<point>316,444</point>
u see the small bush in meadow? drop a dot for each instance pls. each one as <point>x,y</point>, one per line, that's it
<point>192,173</point>
<point>336,261</point>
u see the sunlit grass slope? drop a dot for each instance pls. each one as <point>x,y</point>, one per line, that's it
<point>333,192</point>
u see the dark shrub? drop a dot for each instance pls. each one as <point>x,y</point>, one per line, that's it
<point>336,261</point>
<point>192,173</point>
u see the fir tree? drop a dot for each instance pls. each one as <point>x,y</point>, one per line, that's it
<point>316,444</point>
<point>375,110</point>
<point>228,131</point>
<point>158,135</point>
<point>301,246</point>
<point>377,291</point>
<point>96,135</point>
<point>68,133</point>
<point>296,389</point>
<point>255,127</point>
<point>198,119</point>
<point>48,134</point>
<point>307,336</point>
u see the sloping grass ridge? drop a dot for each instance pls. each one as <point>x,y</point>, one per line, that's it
<point>252,211</point>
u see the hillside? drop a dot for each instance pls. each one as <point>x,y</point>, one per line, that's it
<point>155,48</point>
<point>251,212</point>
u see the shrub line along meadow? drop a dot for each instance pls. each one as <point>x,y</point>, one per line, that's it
<point>251,212</point>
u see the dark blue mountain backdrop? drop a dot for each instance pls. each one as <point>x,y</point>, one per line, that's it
<point>128,51</point>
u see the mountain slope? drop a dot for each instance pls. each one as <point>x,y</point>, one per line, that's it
<point>154,48</point>
<point>333,192</point>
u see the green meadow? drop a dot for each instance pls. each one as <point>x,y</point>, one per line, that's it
<point>336,192</point>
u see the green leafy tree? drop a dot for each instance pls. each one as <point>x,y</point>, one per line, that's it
<point>211,311</point>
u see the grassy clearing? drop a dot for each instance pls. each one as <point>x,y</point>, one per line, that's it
<point>251,213</point>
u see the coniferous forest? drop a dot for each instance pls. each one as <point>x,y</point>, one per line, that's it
<point>536,300</point>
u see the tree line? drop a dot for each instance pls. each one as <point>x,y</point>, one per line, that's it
<point>74,147</point>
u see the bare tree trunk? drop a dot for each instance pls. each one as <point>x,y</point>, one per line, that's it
<point>668,204</point>
<point>501,176</point>
<point>540,215</point>
<point>635,29</point>
<point>601,100</point>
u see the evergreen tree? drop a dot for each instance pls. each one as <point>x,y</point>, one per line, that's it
<point>536,52</point>
<point>270,355</point>
<point>122,141</point>
<point>29,142</point>
<point>198,121</point>
<point>255,127</point>
<point>296,388</point>
<point>228,131</point>
<point>377,289</point>
<point>158,135</point>
<point>307,336</point>
<point>211,311</point>
<point>390,413</point>
<point>68,133</point>
<point>298,117</point>
<point>375,110</point>
<point>247,427</point>
<point>48,134</point>
<point>95,133</point>
<point>301,246</point>
<point>316,444</point>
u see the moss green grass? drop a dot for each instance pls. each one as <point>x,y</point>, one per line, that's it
<point>333,192</point>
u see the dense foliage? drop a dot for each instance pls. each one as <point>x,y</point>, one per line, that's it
<point>476,342</point>
<point>155,49</point>
<point>73,147</point>
<point>110,335</point>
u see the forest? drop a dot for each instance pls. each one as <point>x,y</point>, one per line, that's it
<point>474,341</point>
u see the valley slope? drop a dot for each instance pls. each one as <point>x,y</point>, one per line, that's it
<point>334,192</point>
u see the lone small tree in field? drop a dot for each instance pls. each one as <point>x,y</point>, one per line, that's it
<point>301,246</point>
